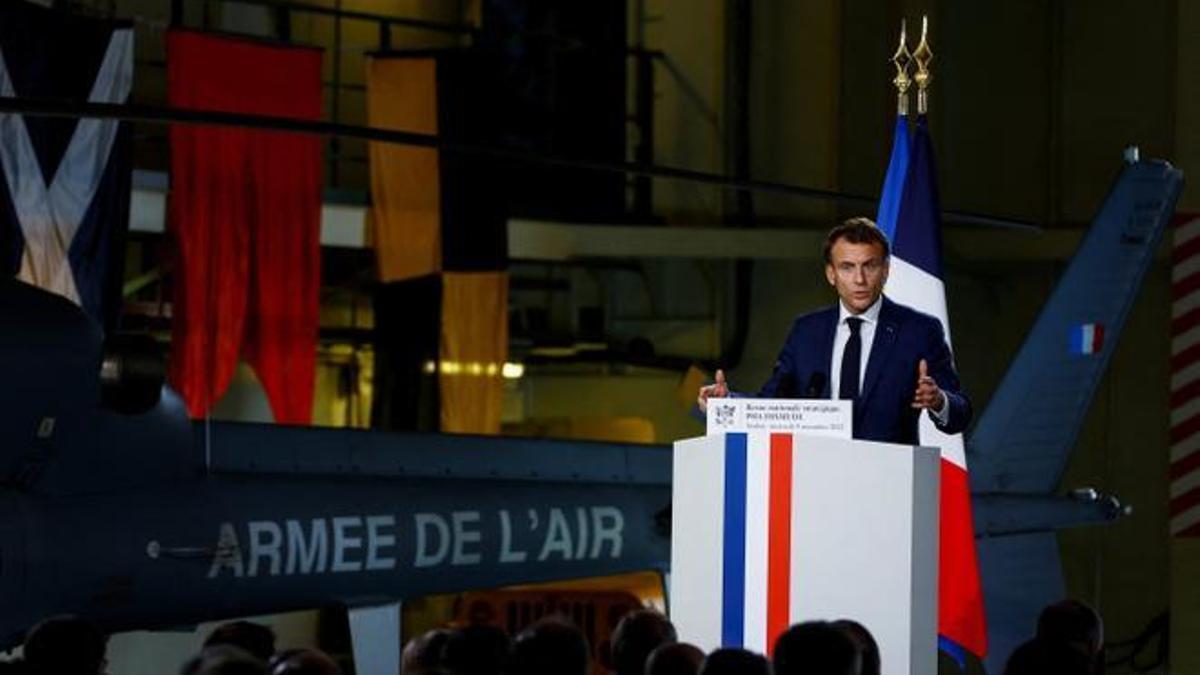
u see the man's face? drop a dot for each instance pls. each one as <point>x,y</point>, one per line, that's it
<point>858,272</point>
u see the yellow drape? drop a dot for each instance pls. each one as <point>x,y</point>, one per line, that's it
<point>405,187</point>
<point>474,347</point>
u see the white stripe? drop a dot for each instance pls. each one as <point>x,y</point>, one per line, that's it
<point>1185,412</point>
<point>1184,340</point>
<point>1185,483</point>
<point>913,286</point>
<point>758,488</point>
<point>50,216</point>
<point>1185,233</point>
<point>910,285</point>
<point>1088,338</point>
<point>1185,447</point>
<point>1185,268</point>
<point>1185,304</point>
<point>1185,376</point>
<point>1185,520</point>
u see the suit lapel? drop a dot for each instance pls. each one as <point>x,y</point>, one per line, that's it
<point>831,320</point>
<point>881,346</point>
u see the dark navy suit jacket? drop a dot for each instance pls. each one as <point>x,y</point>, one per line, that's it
<point>883,411</point>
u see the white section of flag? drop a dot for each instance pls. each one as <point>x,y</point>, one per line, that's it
<point>910,285</point>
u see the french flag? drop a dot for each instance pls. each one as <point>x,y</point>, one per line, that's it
<point>910,216</point>
<point>1087,339</point>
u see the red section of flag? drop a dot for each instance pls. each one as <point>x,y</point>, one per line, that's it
<point>779,544</point>
<point>960,598</point>
<point>245,208</point>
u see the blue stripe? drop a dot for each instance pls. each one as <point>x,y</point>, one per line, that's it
<point>918,239</point>
<point>893,182</point>
<point>1077,346</point>
<point>953,650</point>
<point>733,581</point>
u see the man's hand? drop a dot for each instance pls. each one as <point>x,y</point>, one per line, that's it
<point>717,389</point>
<point>927,395</point>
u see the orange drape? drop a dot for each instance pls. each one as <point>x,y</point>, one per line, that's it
<point>405,193</point>
<point>474,347</point>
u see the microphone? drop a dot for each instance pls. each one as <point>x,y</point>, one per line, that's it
<point>816,384</point>
<point>786,388</point>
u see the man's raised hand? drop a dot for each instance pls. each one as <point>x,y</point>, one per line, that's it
<point>718,389</point>
<point>927,394</point>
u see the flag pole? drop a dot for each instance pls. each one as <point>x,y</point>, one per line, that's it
<point>923,55</point>
<point>902,59</point>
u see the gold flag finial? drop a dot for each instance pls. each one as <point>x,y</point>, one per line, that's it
<point>923,55</point>
<point>902,59</point>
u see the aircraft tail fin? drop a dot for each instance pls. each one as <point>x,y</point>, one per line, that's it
<point>1022,442</point>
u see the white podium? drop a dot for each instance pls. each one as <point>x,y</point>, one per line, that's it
<point>770,529</point>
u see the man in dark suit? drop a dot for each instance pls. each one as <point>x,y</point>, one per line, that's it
<point>891,360</point>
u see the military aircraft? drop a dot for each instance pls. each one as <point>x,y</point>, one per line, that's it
<point>116,506</point>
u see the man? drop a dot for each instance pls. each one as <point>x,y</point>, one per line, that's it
<point>891,360</point>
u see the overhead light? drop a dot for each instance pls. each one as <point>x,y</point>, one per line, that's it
<point>513,371</point>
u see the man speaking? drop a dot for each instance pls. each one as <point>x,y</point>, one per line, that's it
<point>890,360</point>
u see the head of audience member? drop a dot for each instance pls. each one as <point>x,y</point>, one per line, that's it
<point>224,659</point>
<point>65,645</point>
<point>1075,624</point>
<point>304,662</point>
<point>255,638</point>
<point>476,650</point>
<point>423,654</point>
<point>1045,657</point>
<point>865,642</point>
<point>677,658</point>
<point>552,646</point>
<point>639,633</point>
<point>731,661</point>
<point>816,648</point>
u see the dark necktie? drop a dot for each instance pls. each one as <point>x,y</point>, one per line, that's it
<point>851,356</point>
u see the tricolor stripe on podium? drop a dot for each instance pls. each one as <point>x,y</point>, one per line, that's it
<point>756,541</point>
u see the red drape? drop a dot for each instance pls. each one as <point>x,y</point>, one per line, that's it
<point>245,209</point>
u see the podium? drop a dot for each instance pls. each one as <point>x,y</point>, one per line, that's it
<point>771,529</point>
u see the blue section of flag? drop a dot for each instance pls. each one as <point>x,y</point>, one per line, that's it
<point>953,650</point>
<point>733,579</point>
<point>1084,340</point>
<point>918,235</point>
<point>893,182</point>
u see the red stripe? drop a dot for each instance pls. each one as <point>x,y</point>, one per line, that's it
<point>1186,322</point>
<point>1097,338</point>
<point>1185,429</point>
<point>1185,501</point>
<point>1181,218</point>
<point>1185,251</point>
<point>1186,357</point>
<point>1185,393</point>
<point>1184,466</point>
<point>1191,531</point>
<point>1185,286</point>
<point>779,539</point>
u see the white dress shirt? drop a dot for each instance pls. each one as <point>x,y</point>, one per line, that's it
<point>866,332</point>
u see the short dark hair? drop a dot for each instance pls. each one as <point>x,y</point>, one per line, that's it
<point>552,646</point>
<point>639,633</point>
<point>1071,622</point>
<point>65,645</point>
<point>866,644</point>
<point>255,638</point>
<point>858,230</point>
<point>816,647</point>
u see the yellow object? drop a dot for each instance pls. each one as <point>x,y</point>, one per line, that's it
<point>475,340</point>
<point>405,179</point>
